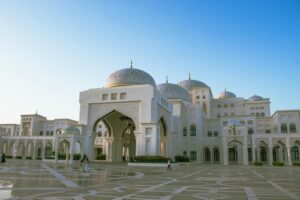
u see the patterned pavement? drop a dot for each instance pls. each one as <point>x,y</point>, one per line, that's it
<point>42,180</point>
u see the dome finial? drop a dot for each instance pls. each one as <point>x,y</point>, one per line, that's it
<point>131,64</point>
<point>189,76</point>
<point>167,79</point>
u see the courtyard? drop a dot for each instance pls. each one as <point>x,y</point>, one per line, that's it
<point>21,179</point>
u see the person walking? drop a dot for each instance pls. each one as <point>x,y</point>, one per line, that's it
<point>169,165</point>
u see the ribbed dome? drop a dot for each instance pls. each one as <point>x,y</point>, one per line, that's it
<point>190,84</point>
<point>225,95</point>
<point>255,98</point>
<point>173,91</point>
<point>71,130</point>
<point>129,76</point>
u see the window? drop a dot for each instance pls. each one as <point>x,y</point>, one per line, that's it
<point>203,97</point>
<point>206,154</point>
<point>242,122</point>
<point>225,106</point>
<point>104,97</point>
<point>250,131</point>
<point>209,133</point>
<point>123,95</point>
<point>250,122</point>
<point>41,133</point>
<point>262,114</point>
<point>292,128</point>
<point>225,114</point>
<point>193,155</point>
<point>225,123</point>
<point>216,133</point>
<point>184,154</point>
<point>51,133</point>
<point>232,114</point>
<point>113,96</point>
<point>268,131</point>
<point>262,108</point>
<point>295,153</point>
<point>283,128</point>
<point>257,114</point>
<point>100,126</point>
<point>184,131</point>
<point>47,133</point>
<point>216,154</point>
<point>219,106</point>
<point>198,97</point>
<point>193,130</point>
<point>99,134</point>
<point>219,115</point>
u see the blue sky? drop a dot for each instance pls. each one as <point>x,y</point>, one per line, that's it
<point>51,50</point>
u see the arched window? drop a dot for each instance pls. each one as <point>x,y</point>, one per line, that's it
<point>216,154</point>
<point>99,133</point>
<point>250,131</point>
<point>184,131</point>
<point>193,130</point>
<point>263,154</point>
<point>295,153</point>
<point>204,107</point>
<point>283,128</point>
<point>206,154</point>
<point>292,128</point>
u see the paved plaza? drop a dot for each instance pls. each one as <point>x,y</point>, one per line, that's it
<point>44,180</point>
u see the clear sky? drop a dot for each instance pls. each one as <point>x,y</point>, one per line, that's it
<point>51,50</point>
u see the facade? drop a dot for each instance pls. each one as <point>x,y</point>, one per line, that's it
<point>132,115</point>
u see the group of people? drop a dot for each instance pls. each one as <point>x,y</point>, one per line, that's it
<point>84,163</point>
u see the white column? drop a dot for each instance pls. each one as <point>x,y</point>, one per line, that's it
<point>253,149</point>
<point>34,149</point>
<point>270,145</point>
<point>225,155</point>
<point>245,151</point>
<point>72,144</point>
<point>56,149</point>
<point>43,149</point>
<point>288,150</point>
<point>140,144</point>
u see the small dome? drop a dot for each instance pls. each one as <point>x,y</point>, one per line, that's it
<point>173,91</point>
<point>255,98</point>
<point>225,95</point>
<point>190,84</point>
<point>71,130</point>
<point>129,76</point>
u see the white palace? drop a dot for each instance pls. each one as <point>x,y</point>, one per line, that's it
<point>131,116</point>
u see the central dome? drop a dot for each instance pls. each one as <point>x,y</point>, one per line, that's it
<point>226,95</point>
<point>173,91</point>
<point>190,84</point>
<point>129,76</point>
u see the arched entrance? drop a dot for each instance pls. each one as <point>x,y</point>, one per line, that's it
<point>235,152</point>
<point>113,137</point>
<point>163,137</point>
<point>64,150</point>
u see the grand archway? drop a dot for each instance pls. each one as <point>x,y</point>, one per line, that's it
<point>113,137</point>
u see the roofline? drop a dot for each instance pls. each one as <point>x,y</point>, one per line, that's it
<point>280,111</point>
<point>9,124</point>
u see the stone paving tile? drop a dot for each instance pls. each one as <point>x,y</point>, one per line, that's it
<point>41,180</point>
